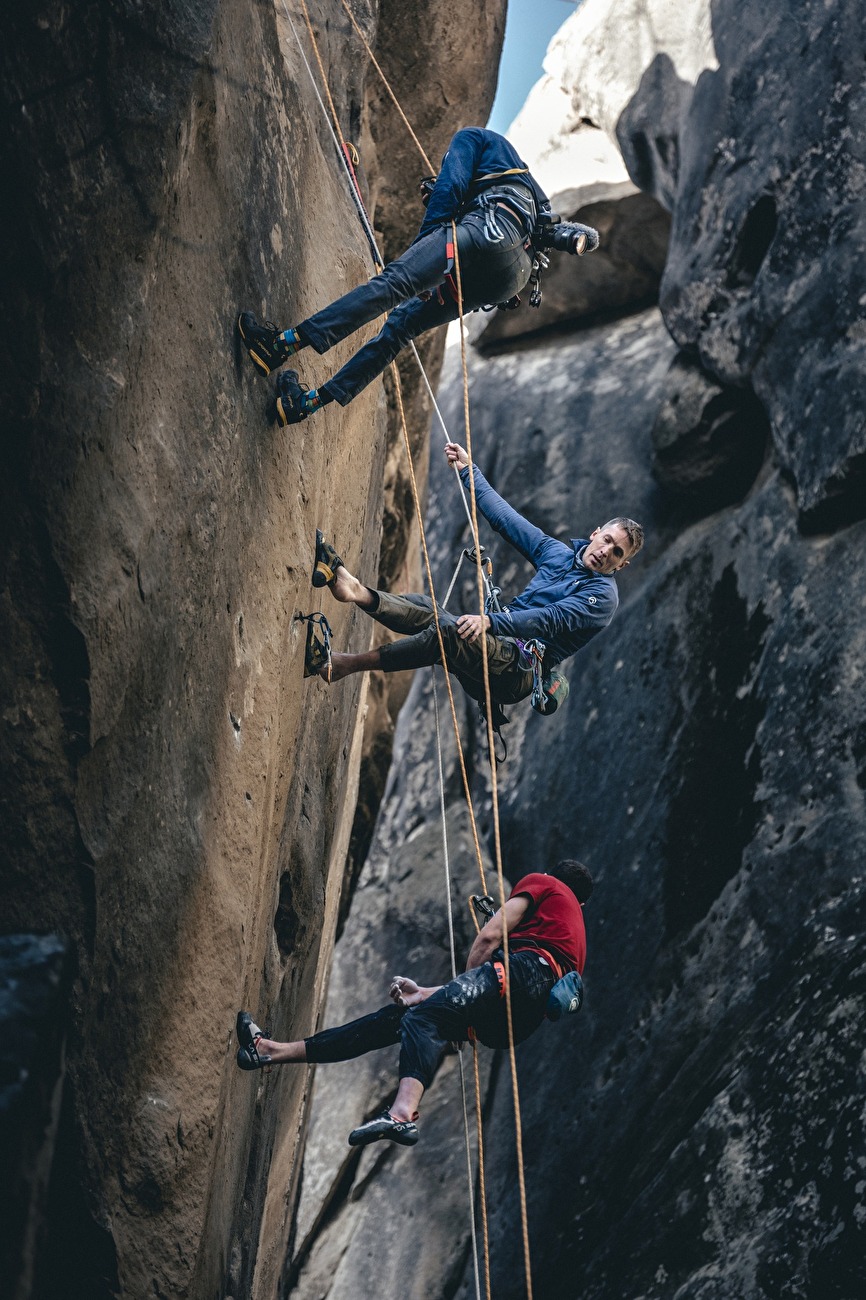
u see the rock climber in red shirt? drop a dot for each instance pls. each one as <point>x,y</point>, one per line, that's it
<point>546,939</point>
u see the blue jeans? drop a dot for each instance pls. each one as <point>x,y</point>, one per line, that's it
<point>487,273</point>
<point>473,1000</point>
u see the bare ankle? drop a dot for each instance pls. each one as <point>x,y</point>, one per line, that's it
<point>349,590</point>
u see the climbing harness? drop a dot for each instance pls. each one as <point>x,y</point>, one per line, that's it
<point>491,606</point>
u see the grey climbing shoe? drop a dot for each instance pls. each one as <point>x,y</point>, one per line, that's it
<point>248,1035</point>
<point>385,1127</point>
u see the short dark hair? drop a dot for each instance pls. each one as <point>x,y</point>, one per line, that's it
<point>576,876</point>
<point>632,530</point>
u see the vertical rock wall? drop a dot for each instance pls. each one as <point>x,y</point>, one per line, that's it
<point>174,799</point>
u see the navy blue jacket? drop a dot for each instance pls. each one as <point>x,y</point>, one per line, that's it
<point>565,604</point>
<point>472,154</point>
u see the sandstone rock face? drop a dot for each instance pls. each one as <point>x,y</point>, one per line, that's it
<point>174,800</point>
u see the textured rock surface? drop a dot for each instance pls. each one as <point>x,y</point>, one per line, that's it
<point>592,68</point>
<point>173,798</point>
<point>709,440</point>
<point>765,280</point>
<point>714,1125</point>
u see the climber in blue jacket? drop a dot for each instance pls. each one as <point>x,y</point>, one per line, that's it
<point>503,223</point>
<point>571,598</point>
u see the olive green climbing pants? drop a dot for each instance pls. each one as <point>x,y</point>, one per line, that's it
<point>413,614</point>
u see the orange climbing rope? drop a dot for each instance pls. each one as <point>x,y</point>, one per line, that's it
<point>473,518</point>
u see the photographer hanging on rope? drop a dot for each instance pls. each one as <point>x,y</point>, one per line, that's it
<point>571,598</point>
<point>504,224</point>
<point>543,921</point>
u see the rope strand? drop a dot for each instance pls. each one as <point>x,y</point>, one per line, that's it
<point>473,521</point>
<point>494,789</point>
<point>453,951</point>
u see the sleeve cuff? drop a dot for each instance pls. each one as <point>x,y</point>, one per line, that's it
<point>501,624</point>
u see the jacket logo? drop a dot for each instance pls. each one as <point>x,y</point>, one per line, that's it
<point>591,599</point>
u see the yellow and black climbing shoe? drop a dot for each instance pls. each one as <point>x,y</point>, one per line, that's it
<point>327,562</point>
<point>385,1126</point>
<point>294,402</point>
<point>317,650</point>
<point>268,347</point>
<point>248,1035</point>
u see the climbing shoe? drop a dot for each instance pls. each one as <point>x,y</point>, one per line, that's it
<point>385,1127</point>
<point>327,562</point>
<point>248,1035</point>
<point>294,402</point>
<point>317,651</point>
<point>268,347</point>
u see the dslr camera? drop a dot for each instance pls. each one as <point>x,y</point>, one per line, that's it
<point>563,236</point>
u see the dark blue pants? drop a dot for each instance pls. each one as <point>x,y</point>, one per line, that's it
<point>486,274</point>
<point>471,1000</point>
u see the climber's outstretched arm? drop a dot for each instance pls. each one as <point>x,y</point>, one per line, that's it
<point>532,542</point>
<point>492,935</point>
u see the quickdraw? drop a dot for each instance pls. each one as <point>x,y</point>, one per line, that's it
<point>534,651</point>
<point>549,690</point>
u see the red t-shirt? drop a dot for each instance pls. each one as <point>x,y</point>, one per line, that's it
<point>553,921</point>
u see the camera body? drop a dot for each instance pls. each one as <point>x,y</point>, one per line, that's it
<point>551,232</point>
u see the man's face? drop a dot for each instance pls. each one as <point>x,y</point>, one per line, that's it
<point>607,550</point>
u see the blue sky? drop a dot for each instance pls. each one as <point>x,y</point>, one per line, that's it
<point>528,28</point>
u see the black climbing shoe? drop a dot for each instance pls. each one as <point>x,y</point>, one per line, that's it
<point>384,1126</point>
<point>317,651</point>
<point>293,400</point>
<point>248,1035</point>
<point>265,343</point>
<point>327,562</point>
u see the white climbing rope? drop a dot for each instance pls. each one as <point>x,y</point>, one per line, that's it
<point>452,948</point>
